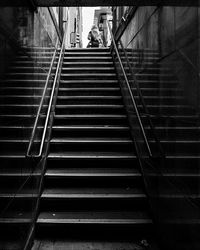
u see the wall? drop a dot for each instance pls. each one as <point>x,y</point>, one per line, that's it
<point>170,30</point>
<point>180,33</point>
<point>173,33</point>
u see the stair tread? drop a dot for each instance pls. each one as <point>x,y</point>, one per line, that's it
<point>89,81</point>
<point>88,58</point>
<point>20,220</point>
<point>11,193</point>
<point>91,116</point>
<point>13,156</point>
<point>86,127</point>
<point>91,155</point>
<point>92,172</point>
<point>84,74</point>
<point>88,68</point>
<point>85,63</point>
<point>85,192</point>
<point>89,89</point>
<point>89,106</point>
<point>18,173</point>
<point>91,140</point>
<point>110,217</point>
<point>88,97</point>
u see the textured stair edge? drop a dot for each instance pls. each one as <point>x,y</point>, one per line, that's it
<point>95,221</point>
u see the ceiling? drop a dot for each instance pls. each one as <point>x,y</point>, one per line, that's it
<point>46,3</point>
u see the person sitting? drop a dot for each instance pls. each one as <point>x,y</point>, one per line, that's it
<point>95,37</point>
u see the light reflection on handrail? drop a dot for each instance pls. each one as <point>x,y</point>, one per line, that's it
<point>130,92</point>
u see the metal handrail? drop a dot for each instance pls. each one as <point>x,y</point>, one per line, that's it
<point>41,103</point>
<point>130,92</point>
<point>50,103</point>
<point>141,98</point>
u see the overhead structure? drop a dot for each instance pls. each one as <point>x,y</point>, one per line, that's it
<point>47,3</point>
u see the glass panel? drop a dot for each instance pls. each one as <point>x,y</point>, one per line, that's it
<point>162,45</point>
<point>27,44</point>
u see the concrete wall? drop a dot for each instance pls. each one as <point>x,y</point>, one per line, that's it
<point>170,30</point>
<point>180,33</point>
<point>19,26</point>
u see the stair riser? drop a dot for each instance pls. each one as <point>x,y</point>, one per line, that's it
<point>88,84</point>
<point>155,77</point>
<point>89,133</point>
<point>14,232</point>
<point>20,121</point>
<point>15,110</point>
<point>32,63</point>
<point>140,54</point>
<point>140,60</point>
<point>98,231</point>
<point>87,59</point>
<point>31,70</point>
<point>87,54</point>
<point>24,83</point>
<point>160,91</point>
<point>87,50</point>
<point>30,91</point>
<point>23,100</point>
<point>75,71</point>
<point>16,132</point>
<point>14,147</point>
<point>158,84</point>
<point>180,148</point>
<point>162,101</point>
<point>36,59</point>
<point>89,121</point>
<point>90,163</point>
<point>57,205</point>
<point>18,163</point>
<point>17,204</point>
<point>86,110</point>
<point>94,147</point>
<point>27,180</point>
<point>149,70</point>
<point>144,65</point>
<point>88,93</point>
<point>165,133</point>
<point>37,53</point>
<point>101,64</point>
<point>93,181</point>
<point>173,110</point>
<point>89,101</point>
<point>92,76</point>
<point>174,121</point>
<point>27,76</point>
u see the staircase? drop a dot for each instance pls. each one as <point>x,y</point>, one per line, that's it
<point>93,189</point>
<point>20,93</point>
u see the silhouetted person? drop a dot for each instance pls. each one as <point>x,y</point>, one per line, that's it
<point>95,37</point>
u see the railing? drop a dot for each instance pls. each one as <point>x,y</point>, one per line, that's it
<point>131,94</point>
<point>43,150</point>
<point>159,152</point>
<point>28,154</point>
<point>31,143</point>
